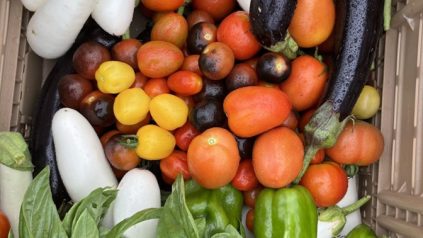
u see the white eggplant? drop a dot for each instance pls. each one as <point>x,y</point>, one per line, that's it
<point>353,219</point>
<point>245,5</point>
<point>82,164</point>
<point>55,25</point>
<point>33,5</point>
<point>138,190</point>
<point>114,16</point>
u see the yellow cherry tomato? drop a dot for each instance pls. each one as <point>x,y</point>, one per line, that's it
<point>367,103</point>
<point>168,111</point>
<point>131,106</point>
<point>154,142</point>
<point>114,77</point>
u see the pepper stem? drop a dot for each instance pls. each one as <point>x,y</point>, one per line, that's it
<point>355,206</point>
<point>310,152</point>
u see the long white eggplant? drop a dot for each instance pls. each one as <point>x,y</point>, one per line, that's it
<point>33,5</point>
<point>245,5</point>
<point>82,164</point>
<point>55,25</point>
<point>114,16</point>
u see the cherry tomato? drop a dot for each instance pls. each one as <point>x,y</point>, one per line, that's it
<point>191,64</point>
<point>245,178</point>
<point>106,136</point>
<point>97,107</point>
<point>216,61</point>
<point>140,80</point>
<point>249,220</point>
<point>197,16</point>
<point>72,89</point>
<point>291,121</point>
<point>154,87</point>
<point>184,135</point>
<point>4,225</point>
<point>121,156</point>
<point>250,196</point>
<point>162,5</point>
<point>126,51</point>
<point>185,83</point>
<point>218,9</point>
<point>88,58</point>
<point>175,164</point>
<point>132,129</point>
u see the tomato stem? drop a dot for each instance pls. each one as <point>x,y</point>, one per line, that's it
<point>129,141</point>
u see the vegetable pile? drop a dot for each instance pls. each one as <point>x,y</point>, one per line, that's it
<point>211,116</point>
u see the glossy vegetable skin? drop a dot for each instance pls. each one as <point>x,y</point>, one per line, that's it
<point>362,231</point>
<point>41,144</point>
<point>287,212</point>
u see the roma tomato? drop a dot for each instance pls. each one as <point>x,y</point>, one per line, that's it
<point>278,157</point>
<point>120,154</point>
<point>175,164</point>
<point>213,158</point>
<point>4,225</point>
<point>313,22</point>
<point>235,31</point>
<point>306,83</point>
<point>114,77</point>
<point>154,87</point>
<point>184,135</point>
<point>126,51</point>
<point>185,83</point>
<point>245,178</point>
<point>327,183</point>
<point>360,143</point>
<point>218,9</point>
<point>162,5</point>
<point>254,109</point>
<point>172,28</point>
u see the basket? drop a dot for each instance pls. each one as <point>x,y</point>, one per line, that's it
<point>395,182</point>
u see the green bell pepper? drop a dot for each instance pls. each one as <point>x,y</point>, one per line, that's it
<point>361,231</point>
<point>218,207</point>
<point>287,212</point>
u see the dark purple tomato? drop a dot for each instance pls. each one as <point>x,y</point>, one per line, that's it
<point>97,107</point>
<point>88,57</point>
<point>200,35</point>
<point>72,89</point>
<point>242,75</point>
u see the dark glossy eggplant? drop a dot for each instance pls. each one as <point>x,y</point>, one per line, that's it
<point>41,145</point>
<point>270,20</point>
<point>361,30</point>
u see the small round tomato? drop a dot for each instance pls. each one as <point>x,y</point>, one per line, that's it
<point>184,135</point>
<point>140,80</point>
<point>106,136</point>
<point>126,51</point>
<point>218,9</point>
<point>162,5</point>
<point>242,75</point>
<point>191,64</point>
<point>245,146</point>
<point>168,111</point>
<point>114,77</point>
<point>175,164</point>
<point>131,106</point>
<point>216,61</point>
<point>327,183</point>
<point>157,86</point>
<point>250,196</point>
<point>197,16</point>
<point>249,220</point>
<point>200,35</point>
<point>4,225</point>
<point>172,28</point>
<point>154,142</point>
<point>120,153</point>
<point>367,103</point>
<point>88,57</point>
<point>245,178</point>
<point>185,83</point>
<point>213,158</point>
<point>189,101</point>
<point>97,107</point>
<point>72,89</point>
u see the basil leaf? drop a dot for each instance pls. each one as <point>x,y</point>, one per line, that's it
<point>14,151</point>
<point>103,231</point>
<point>38,215</point>
<point>230,232</point>
<point>10,235</point>
<point>201,225</point>
<point>121,227</point>
<point>85,226</point>
<point>96,204</point>
<point>176,218</point>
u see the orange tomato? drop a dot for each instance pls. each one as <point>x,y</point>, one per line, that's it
<point>235,31</point>
<point>162,5</point>
<point>306,83</point>
<point>305,118</point>
<point>218,9</point>
<point>172,28</point>
<point>291,121</point>
<point>158,59</point>
<point>360,143</point>
<point>313,22</point>
<point>185,83</point>
<point>278,157</point>
<point>213,158</point>
<point>255,109</point>
<point>154,87</point>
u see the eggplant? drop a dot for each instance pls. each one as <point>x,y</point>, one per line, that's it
<point>270,20</point>
<point>41,142</point>
<point>362,27</point>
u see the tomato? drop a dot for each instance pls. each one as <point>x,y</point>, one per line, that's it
<point>131,106</point>
<point>172,28</point>
<point>245,178</point>
<point>184,135</point>
<point>191,64</point>
<point>120,155</point>
<point>245,146</point>
<point>367,103</point>
<point>154,142</point>
<point>306,83</point>
<point>97,107</point>
<point>291,121</point>
<point>185,83</point>
<point>132,129</point>
<point>106,136</point>
<point>168,111</point>
<point>197,16</point>
<point>305,118</point>
<point>218,9</point>
<point>278,157</point>
<point>250,196</point>
<point>189,101</point>
<point>162,5</point>
<point>242,75</point>
<point>213,158</point>
<point>88,57</point>
<point>235,31</point>
<point>327,183</point>
<point>158,59</point>
<point>313,22</point>
<point>4,225</point>
<point>126,51</point>
<point>216,61</point>
<point>318,157</point>
<point>175,164</point>
<point>140,80</point>
<point>200,35</point>
<point>157,86</point>
<point>249,220</point>
<point>114,77</point>
<point>72,89</point>
<point>360,143</point>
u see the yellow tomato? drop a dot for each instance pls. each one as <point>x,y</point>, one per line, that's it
<point>131,106</point>
<point>114,77</point>
<point>367,103</point>
<point>154,142</point>
<point>168,111</point>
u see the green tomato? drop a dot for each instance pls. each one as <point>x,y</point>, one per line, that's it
<point>367,104</point>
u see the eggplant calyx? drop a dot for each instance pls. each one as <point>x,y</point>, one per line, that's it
<point>288,47</point>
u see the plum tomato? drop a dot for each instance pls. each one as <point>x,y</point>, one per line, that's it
<point>185,83</point>
<point>131,106</point>
<point>157,86</point>
<point>172,28</point>
<point>218,9</point>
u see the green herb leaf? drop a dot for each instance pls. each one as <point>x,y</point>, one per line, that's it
<point>201,225</point>
<point>230,232</point>
<point>38,215</point>
<point>85,226</point>
<point>147,214</point>
<point>14,151</point>
<point>176,218</point>
<point>96,204</point>
<point>10,235</point>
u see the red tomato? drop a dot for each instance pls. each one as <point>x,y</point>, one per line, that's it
<point>327,183</point>
<point>106,136</point>
<point>173,165</point>
<point>154,87</point>
<point>185,83</point>
<point>218,9</point>
<point>140,80</point>
<point>249,220</point>
<point>318,157</point>
<point>291,121</point>
<point>4,225</point>
<point>162,5</point>
<point>250,197</point>
<point>184,135</point>
<point>245,178</point>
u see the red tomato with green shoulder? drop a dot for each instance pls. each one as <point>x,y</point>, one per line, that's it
<point>245,178</point>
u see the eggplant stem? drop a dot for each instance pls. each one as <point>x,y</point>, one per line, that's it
<point>355,206</point>
<point>126,35</point>
<point>310,152</point>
